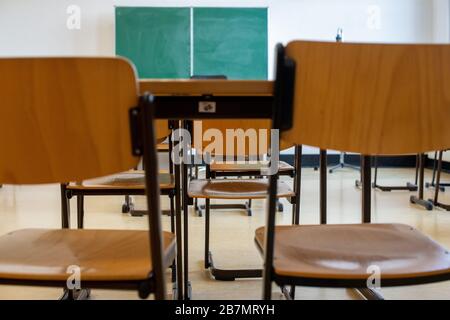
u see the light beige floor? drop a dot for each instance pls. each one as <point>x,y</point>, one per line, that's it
<point>232,232</point>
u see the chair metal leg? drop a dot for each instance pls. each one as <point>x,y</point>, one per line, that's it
<point>128,206</point>
<point>207,224</point>
<point>409,186</point>
<point>179,233</point>
<point>369,294</point>
<point>197,207</point>
<point>323,187</point>
<point>65,207</point>
<point>185,232</point>
<point>438,184</point>
<point>280,207</point>
<point>230,274</point>
<point>81,294</point>
<point>288,294</point>
<point>172,212</point>
<point>80,211</point>
<point>221,274</point>
<point>433,183</point>
<point>366,171</point>
<point>241,206</point>
<point>172,229</point>
<point>297,185</point>
<point>419,200</point>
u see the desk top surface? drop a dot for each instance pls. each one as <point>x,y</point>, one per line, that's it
<point>207,87</point>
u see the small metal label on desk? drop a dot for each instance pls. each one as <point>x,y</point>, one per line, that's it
<point>207,107</point>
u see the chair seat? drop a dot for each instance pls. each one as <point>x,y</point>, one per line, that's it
<point>345,252</point>
<point>247,166</point>
<point>102,255</point>
<point>235,189</point>
<point>134,179</point>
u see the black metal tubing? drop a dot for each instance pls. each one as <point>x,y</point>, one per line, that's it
<point>80,211</point>
<point>249,173</point>
<point>221,274</point>
<point>419,200</point>
<point>281,120</point>
<point>246,206</point>
<point>366,172</point>
<point>442,186</point>
<point>150,161</point>
<point>323,186</point>
<point>231,275</point>
<point>409,186</point>
<point>297,184</point>
<point>369,294</point>
<point>438,184</point>
<point>184,169</point>
<point>178,229</point>
<point>65,207</point>
<point>81,294</point>
<point>296,214</point>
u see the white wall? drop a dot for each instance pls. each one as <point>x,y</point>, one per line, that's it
<point>38,27</point>
<point>441,19</point>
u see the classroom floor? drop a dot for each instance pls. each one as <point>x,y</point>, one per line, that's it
<point>232,232</point>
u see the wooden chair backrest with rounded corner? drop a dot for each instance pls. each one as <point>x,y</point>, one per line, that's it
<point>373,99</point>
<point>162,130</point>
<point>65,119</point>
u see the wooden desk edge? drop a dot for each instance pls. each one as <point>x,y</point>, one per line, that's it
<point>204,87</point>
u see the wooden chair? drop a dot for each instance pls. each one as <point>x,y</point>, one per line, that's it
<point>127,183</point>
<point>234,188</point>
<point>239,169</point>
<point>68,119</point>
<point>163,135</point>
<point>373,99</point>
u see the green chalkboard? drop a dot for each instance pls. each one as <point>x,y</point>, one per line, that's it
<point>231,42</point>
<point>157,40</point>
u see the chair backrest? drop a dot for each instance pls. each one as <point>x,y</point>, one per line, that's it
<point>374,99</point>
<point>65,119</point>
<point>249,137</point>
<point>162,130</point>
